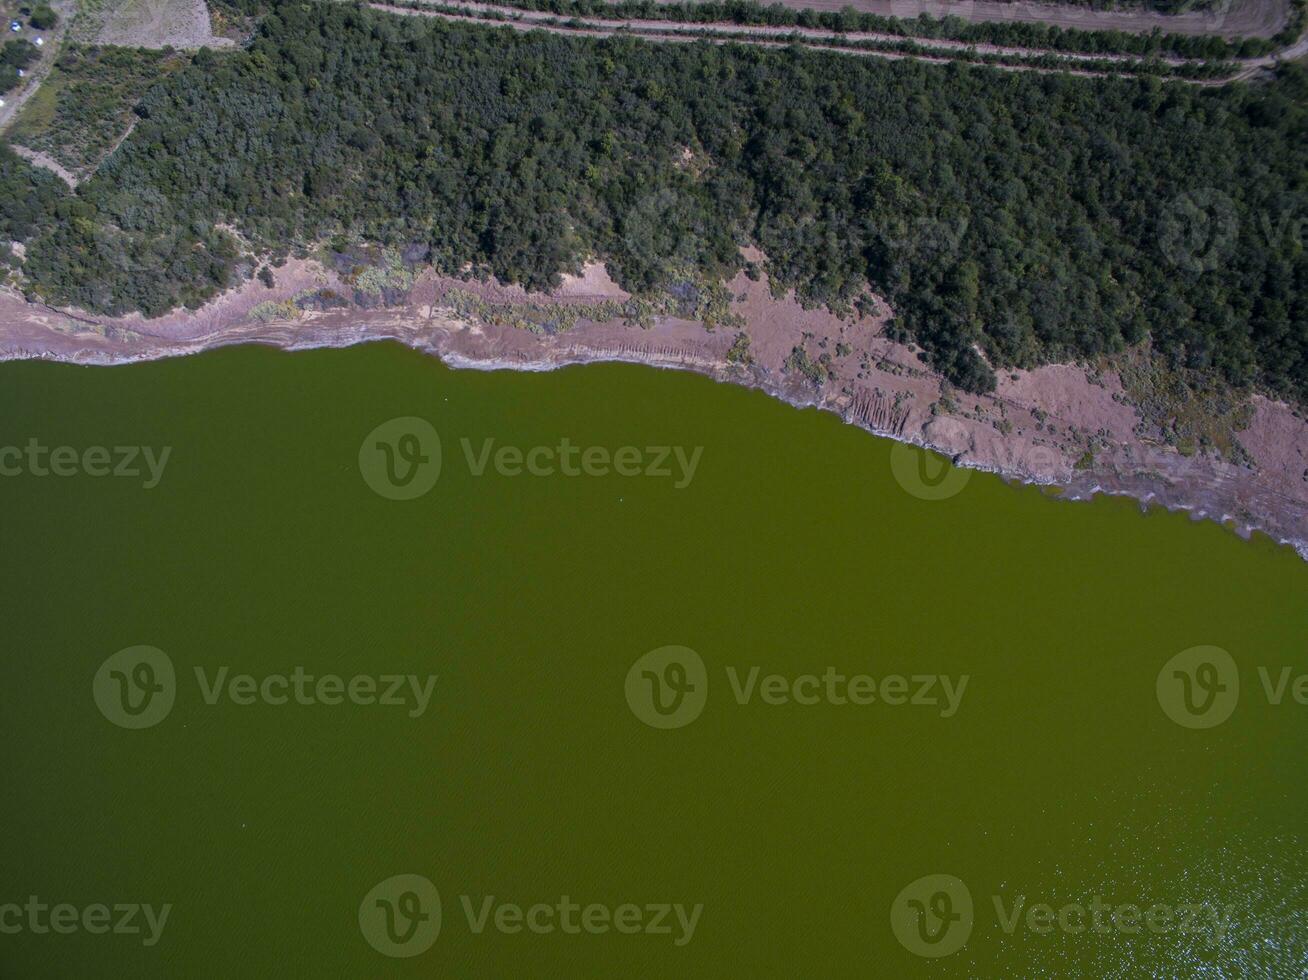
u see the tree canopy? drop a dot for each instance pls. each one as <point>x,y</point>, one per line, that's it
<point>1030,217</point>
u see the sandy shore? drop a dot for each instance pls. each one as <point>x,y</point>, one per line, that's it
<point>1063,425</point>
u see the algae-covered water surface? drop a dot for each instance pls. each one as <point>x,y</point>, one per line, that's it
<point>613,672</point>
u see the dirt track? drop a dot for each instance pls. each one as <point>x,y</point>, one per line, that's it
<point>693,33</point>
<point>47,161</point>
<point>932,51</point>
<point>1231,18</point>
<point>782,34</point>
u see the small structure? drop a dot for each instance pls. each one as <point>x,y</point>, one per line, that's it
<point>15,26</point>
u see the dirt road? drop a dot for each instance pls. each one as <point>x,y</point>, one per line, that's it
<point>1230,18</point>
<point>783,34</point>
<point>689,34</point>
<point>933,51</point>
<point>45,160</point>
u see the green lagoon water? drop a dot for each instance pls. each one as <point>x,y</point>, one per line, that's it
<point>1058,780</point>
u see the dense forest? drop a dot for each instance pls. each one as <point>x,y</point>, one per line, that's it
<point>1032,217</point>
<point>29,199</point>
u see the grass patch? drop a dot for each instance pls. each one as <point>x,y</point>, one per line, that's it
<point>270,311</point>
<point>739,352</point>
<point>38,113</point>
<point>800,361</point>
<point>1184,409</point>
<point>87,21</point>
<point>85,106</point>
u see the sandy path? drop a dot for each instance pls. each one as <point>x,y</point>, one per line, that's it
<point>1252,66</point>
<point>45,160</point>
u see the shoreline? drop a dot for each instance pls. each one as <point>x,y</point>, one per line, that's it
<point>1076,491</point>
<point>1032,430</point>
